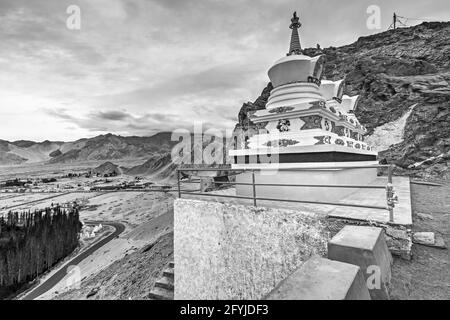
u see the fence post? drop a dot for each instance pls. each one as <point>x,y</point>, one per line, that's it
<point>390,195</point>
<point>178,182</point>
<point>254,187</point>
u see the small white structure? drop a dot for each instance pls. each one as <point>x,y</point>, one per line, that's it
<point>89,232</point>
<point>97,228</point>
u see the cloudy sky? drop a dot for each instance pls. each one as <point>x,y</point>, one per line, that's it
<point>137,67</point>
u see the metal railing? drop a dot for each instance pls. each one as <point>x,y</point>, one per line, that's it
<point>391,197</point>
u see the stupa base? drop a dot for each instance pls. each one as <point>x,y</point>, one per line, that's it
<point>331,173</point>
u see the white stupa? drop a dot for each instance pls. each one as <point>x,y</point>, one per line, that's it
<point>307,123</point>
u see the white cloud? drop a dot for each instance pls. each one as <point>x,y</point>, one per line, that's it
<point>190,60</point>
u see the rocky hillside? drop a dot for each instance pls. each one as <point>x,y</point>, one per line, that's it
<point>132,277</point>
<point>398,73</point>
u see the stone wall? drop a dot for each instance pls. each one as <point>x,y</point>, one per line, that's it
<point>229,251</point>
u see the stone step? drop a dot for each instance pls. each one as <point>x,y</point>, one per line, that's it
<point>160,294</point>
<point>365,247</point>
<point>166,283</point>
<point>169,273</point>
<point>322,279</point>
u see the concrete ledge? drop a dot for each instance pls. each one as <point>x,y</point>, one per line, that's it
<point>230,251</point>
<point>365,247</point>
<point>377,197</point>
<point>322,279</point>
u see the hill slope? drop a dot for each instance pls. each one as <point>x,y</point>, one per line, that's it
<point>132,277</point>
<point>395,72</point>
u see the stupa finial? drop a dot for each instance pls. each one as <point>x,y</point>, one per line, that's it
<point>295,47</point>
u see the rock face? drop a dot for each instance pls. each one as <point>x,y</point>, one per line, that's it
<point>393,71</point>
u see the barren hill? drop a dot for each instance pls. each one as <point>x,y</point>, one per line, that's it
<point>107,168</point>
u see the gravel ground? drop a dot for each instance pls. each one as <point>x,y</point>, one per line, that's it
<point>427,275</point>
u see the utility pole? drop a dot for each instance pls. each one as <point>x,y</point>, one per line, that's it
<point>394,22</point>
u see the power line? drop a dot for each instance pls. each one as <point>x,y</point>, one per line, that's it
<point>422,19</point>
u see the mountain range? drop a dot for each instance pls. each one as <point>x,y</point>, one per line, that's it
<point>103,147</point>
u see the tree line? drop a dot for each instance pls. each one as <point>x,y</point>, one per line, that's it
<point>32,242</point>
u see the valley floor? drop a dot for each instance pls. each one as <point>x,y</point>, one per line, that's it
<point>127,267</point>
<point>147,218</point>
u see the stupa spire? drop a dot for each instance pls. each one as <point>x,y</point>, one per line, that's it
<point>295,47</point>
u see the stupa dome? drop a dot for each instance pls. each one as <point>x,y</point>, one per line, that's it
<point>296,68</point>
<point>296,77</point>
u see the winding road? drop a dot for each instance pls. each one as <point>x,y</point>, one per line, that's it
<point>62,272</point>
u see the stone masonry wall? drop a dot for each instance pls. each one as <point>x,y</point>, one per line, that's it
<point>229,251</point>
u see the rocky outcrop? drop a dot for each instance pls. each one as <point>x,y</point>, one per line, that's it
<point>245,128</point>
<point>393,71</point>
<point>55,153</point>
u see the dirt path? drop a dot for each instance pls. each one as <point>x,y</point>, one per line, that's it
<point>427,275</point>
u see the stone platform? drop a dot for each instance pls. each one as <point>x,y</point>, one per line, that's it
<point>402,210</point>
<point>371,197</point>
<point>322,279</point>
<point>326,176</point>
